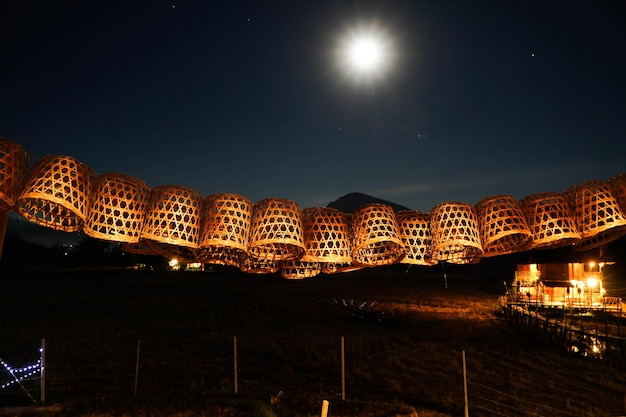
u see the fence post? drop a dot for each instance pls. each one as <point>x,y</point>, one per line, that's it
<point>343,370</point>
<point>137,366</point>
<point>324,408</point>
<point>235,362</point>
<point>465,402</point>
<point>42,383</point>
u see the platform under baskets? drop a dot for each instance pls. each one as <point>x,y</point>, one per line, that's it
<point>597,214</point>
<point>56,193</point>
<point>502,225</point>
<point>117,207</point>
<point>13,167</point>
<point>376,237</point>
<point>455,235</point>
<point>415,233</point>
<point>550,220</point>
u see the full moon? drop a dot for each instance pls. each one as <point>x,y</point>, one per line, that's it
<point>365,54</point>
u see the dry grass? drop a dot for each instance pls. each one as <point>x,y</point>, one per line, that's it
<point>404,334</point>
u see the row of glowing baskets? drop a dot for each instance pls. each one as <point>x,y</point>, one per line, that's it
<point>274,234</point>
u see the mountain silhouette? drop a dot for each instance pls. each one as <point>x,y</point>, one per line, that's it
<point>350,202</point>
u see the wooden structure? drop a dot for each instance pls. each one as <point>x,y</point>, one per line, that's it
<point>299,269</point>
<point>117,207</point>
<point>56,193</point>
<point>415,233</point>
<point>276,230</point>
<point>455,235</point>
<point>376,237</point>
<point>502,225</point>
<point>225,231</point>
<point>550,220</point>
<point>597,214</point>
<point>326,235</point>
<point>173,216</point>
<point>13,167</point>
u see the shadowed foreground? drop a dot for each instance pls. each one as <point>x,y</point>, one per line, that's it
<point>162,343</point>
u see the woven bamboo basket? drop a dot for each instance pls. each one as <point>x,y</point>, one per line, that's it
<point>264,264</point>
<point>550,220</point>
<point>276,230</point>
<point>376,237</point>
<point>618,188</point>
<point>502,225</point>
<point>415,233</point>
<point>455,234</point>
<point>597,214</point>
<point>225,229</point>
<point>326,235</point>
<point>173,216</point>
<point>56,193</point>
<point>330,268</point>
<point>117,207</point>
<point>299,269</point>
<point>13,167</point>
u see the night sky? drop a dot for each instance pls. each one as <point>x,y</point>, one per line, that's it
<point>476,98</point>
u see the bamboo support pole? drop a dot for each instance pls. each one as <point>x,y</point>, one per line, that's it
<point>324,408</point>
<point>4,219</point>
<point>465,402</point>
<point>42,383</point>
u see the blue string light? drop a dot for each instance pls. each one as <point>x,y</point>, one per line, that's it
<point>20,374</point>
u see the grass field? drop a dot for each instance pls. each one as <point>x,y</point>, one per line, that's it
<point>404,333</point>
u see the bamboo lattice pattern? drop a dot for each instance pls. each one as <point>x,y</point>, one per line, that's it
<point>415,233</point>
<point>276,230</point>
<point>550,220</point>
<point>142,247</point>
<point>117,207</point>
<point>596,212</point>
<point>338,268</point>
<point>225,232</point>
<point>173,216</point>
<point>13,167</point>
<point>618,188</point>
<point>455,235</point>
<point>326,235</point>
<point>502,225</point>
<point>56,193</point>
<point>264,264</point>
<point>376,237</point>
<point>299,269</point>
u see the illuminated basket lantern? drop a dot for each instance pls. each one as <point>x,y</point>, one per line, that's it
<point>172,221</point>
<point>455,234</point>
<point>415,233</point>
<point>276,230</point>
<point>618,188</point>
<point>56,193</point>
<point>117,207</point>
<point>338,268</point>
<point>549,220</point>
<point>502,225</point>
<point>326,235</point>
<point>13,167</point>
<point>297,269</point>
<point>225,229</point>
<point>375,236</point>
<point>597,214</point>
